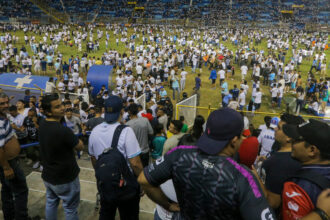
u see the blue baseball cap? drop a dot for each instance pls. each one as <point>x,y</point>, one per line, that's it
<point>221,126</point>
<point>112,106</point>
<point>274,122</point>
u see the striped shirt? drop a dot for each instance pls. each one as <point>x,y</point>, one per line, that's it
<point>6,131</point>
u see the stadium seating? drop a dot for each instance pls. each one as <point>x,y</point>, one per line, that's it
<point>208,10</point>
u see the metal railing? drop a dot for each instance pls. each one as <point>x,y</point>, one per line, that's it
<point>250,114</point>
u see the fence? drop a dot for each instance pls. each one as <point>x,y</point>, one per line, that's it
<point>256,117</point>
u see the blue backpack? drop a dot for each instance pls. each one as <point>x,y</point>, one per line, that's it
<point>115,181</point>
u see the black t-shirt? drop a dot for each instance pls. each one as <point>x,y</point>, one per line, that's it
<point>57,153</point>
<point>31,128</point>
<point>277,169</point>
<point>210,187</point>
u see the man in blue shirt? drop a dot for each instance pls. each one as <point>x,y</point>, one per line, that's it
<point>213,77</point>
<point>226,99</point>
<point>162,93</point>
<point>224,88</point>
<point>235,92</point>
<point>198,82</point>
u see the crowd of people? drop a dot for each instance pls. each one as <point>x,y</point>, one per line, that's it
<point>193,167</point>
<point>278,169</point>
<point>154,59</point>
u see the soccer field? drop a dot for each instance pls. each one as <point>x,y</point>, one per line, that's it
<point>209,97</point>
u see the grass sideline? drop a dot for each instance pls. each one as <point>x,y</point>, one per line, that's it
<point>208,96</point>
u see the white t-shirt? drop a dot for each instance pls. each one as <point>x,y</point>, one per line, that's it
<point>101,136</point>
<point>60,86</point>
<point>119,81</point>
<point>258,97</point>
<point>244,69</point>
<point>266,139</point>
<point>183,75</point>
<point>245,87</point>
<point>139,69</point>
<point>50,87</point>
<point>241,98</point>
<point>222,74</point>
<point>262,127</point>
<point>274,92</point>
<point>75,77</point>
<point>280,92</point>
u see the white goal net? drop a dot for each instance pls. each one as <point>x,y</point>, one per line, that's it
<point>187,108</point>
<point>141,100</point>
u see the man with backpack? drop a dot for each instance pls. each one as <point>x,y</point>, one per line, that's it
<point>115,151</point>
<point>310,145</point>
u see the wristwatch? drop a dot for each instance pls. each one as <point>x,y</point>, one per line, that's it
<point>322,214</point>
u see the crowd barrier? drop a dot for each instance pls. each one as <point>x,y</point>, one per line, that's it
<point>37,143</point>
<point>249,114</point>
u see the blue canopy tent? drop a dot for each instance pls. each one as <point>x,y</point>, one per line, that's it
<point>99,75</point>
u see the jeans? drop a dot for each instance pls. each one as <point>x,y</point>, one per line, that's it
<point>128,210</point>
<point>178,91</point>
<point>14,193</point>
<point>279,101</point>
<point>70,195</point>
<point>299,105</point>
<point>182,84</point>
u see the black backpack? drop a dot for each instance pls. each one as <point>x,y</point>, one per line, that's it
<point>115,181</point>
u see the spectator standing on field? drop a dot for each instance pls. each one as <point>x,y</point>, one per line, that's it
<point>60,168</point>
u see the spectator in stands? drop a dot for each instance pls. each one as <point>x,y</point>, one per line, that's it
<point>249,149</point>
<point>157,142</point>
<point>193,135</point>
<point>14,191</point>
<point>142,129</point>
<point>162,118</point>
<point>94,121</point>
<point>279,166</point>
<point>267,137</point>
<point>212,158</point>
<point>31,124</point>
<point>101,139</point>
<point>72,121</point>
<point>60,169</point>
<point>175,129</point>
<point>50,86</point>
<point>310,146</point>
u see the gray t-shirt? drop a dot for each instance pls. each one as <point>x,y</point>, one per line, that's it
<point>141,128</point>
<point>93,122</point>
<point>73,123</point>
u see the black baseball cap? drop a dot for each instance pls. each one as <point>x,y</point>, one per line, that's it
<point>112,106</point>
<point>221,126</point>
<point>312,131</point>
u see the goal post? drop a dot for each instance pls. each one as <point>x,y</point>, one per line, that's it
<point>188,109</point>
<point>141,100</point>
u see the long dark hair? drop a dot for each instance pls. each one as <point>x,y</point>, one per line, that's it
<point>197,129</point>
